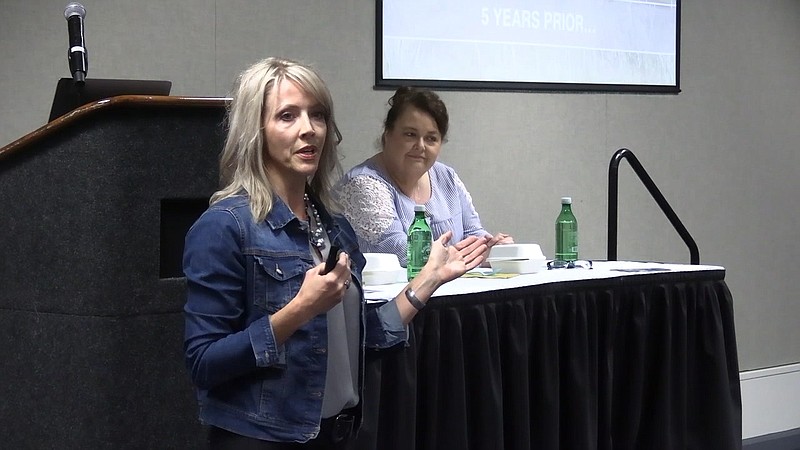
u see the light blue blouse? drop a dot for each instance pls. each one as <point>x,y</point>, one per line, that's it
<point>381,214</point>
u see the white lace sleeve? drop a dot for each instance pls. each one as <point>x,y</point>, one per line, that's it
<point>368,205</point>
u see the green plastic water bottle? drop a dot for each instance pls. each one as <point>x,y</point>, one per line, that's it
<point>419,243</point>
<point>566,232</point>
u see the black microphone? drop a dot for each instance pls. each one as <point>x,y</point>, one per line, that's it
<point>78,61</point>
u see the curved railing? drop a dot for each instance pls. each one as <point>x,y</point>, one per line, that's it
<point>613,195</point>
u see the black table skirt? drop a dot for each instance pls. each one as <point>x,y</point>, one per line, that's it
<point>635,362</point>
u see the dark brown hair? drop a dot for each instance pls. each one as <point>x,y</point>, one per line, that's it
<point>423,99</point>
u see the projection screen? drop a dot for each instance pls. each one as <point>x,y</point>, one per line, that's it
<point>600,45</point>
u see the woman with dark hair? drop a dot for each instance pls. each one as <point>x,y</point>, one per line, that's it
<point>378,195</point>
<point>274,340</point>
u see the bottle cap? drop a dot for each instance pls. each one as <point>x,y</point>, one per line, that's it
<point>566,200</point>
<point>418,208</point>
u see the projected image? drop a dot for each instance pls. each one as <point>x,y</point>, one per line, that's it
<point>565,44</point>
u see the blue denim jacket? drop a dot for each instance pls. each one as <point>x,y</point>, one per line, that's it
<point>238,273</point>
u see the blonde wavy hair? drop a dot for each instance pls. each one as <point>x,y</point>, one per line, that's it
<point>242,166</point>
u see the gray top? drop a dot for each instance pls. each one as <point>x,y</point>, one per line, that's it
<point>341,381</point>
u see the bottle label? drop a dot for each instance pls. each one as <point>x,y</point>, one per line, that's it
<point>566,241</point>
<point>419,249</point>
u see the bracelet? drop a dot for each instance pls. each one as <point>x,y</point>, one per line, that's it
<point>414,300</point>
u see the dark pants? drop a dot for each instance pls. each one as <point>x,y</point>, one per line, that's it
<point>335,434</point>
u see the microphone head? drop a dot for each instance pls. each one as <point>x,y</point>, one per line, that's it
<point>74,9</point>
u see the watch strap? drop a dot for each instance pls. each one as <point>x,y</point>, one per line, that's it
<point>414,300</point>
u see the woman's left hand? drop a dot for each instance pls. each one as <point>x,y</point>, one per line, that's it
<point>500,238</point>
<point>451,261</point>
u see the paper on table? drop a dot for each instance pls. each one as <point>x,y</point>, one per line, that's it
<point>489,275</point>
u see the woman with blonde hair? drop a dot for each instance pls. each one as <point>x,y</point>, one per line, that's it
<point>274,339</point>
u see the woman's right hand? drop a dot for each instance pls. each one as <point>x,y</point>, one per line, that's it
<point>317,295</point>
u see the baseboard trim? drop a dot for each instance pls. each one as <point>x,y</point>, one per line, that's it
<point>770,401</point>
<point>785,440</point>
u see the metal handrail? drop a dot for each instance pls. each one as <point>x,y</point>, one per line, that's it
<point>613,194</point>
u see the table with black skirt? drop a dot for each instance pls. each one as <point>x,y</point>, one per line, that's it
<point>625,355</point>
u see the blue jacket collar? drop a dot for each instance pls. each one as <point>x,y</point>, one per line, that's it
<point>280,215</point>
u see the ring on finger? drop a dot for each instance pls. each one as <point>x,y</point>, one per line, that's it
<point>347,284</point>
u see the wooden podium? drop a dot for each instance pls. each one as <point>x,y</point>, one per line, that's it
<point>93,210</point>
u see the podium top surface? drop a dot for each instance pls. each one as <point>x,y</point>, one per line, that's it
<point>143,102</point>
<point>70,95</point>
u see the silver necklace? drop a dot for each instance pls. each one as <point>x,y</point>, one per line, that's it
<point>316,231</point>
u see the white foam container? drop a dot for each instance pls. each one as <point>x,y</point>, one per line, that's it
<point>517,258</point>
<point>519,266</point>
<point>382,268</point>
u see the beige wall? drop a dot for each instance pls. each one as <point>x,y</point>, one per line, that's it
<point>724,151</point>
